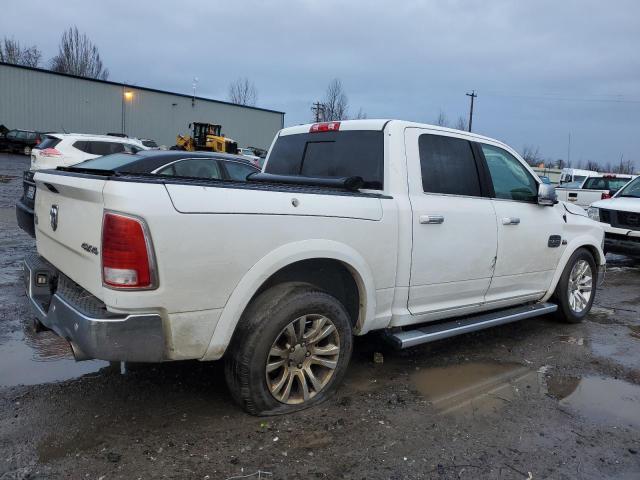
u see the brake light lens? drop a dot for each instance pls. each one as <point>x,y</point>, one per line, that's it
<point>605,195</point>
<point>325,127</point>
<point>50,152</point>
<point>126,253</point>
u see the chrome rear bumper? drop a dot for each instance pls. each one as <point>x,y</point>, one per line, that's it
<point>83,320</point>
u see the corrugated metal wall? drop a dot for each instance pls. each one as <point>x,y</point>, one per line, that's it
<point>39,100</point>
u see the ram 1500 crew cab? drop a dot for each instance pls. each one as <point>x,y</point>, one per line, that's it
<point>418,231</point>
<point>620,216</point>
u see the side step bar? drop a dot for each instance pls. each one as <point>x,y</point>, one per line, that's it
<point>451,328</point>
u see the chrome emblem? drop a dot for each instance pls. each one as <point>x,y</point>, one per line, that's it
<point>53,217</point>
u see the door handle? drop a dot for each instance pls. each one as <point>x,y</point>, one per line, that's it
<point>432,219</point>
<point>510,221</point>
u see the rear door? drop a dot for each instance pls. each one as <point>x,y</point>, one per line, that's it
<point>529,235</point>
<point>454,225</point>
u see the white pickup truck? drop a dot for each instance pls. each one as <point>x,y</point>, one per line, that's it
<point>584,192</point>
<point>620,216</point>
<point>418,231</point>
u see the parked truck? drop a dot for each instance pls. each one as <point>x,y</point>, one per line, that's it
<point>592,189</point>
<point>415,231</point>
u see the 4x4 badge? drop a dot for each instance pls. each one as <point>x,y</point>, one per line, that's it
<point>53,217</point>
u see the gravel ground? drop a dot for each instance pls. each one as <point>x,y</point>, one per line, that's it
<point>535,399</point>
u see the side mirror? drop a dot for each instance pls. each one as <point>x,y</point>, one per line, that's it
<point>547,195</point>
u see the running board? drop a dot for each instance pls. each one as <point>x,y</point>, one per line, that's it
<point>451,328</point>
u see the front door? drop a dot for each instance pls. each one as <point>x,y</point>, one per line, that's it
<point>453,223</point>
<point>529,235</point>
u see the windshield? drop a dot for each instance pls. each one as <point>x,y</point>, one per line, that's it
<point>109,162</point>
<point>631,190</point>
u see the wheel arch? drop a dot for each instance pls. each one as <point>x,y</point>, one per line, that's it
<point>577,243</point>
<point>286,263</point>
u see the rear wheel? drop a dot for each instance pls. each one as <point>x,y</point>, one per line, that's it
<point>290,351</point>
<point>576,289</point>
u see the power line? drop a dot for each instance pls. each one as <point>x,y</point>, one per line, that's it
<point>565,99</point>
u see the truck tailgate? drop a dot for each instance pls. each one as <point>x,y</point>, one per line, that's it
<point>68,213</point>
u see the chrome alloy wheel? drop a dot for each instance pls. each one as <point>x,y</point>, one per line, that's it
<point>303,358</point>
<point>580,286</point>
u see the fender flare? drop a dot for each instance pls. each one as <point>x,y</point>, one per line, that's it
<point>273,262</point>
<point>576,243</point>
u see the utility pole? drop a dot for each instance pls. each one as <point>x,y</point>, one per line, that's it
<point>193,98</point>
<point>317,109</point>
<point>569,151</point>
<point>473,95</point>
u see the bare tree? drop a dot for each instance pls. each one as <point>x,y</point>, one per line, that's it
<point>461,123</point>
<point>442,119</point>
<point>12,52</point>
<point>77,55</point>
<point>243,92</point>
<point>531,155</point>
<point>361,115</point>
<point>336,104</point>
<point>591,165</point>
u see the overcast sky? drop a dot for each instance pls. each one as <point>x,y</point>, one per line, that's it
<point>542,69</point>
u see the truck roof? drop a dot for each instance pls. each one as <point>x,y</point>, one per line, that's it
<point>380,124</point>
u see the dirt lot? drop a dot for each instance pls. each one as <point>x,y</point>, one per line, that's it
<point>536,399</point>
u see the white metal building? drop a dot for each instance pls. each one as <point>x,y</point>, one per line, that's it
<point>37,99</point>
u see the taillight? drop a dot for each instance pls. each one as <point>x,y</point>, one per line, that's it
<point>325,127</point>
<point>126,253</point>
<point>50,152</point>
<point>605,195</point>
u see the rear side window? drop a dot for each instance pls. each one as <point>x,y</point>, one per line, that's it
<point>351,153</point>
<point>238,171</point>
<point>603,183</point>
<point>48,142</point>
<point>99,148</point>
<point>448,166</point>
<point>194,167</point>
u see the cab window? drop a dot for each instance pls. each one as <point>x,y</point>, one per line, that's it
<point>511,180</point>
<point>448,166</point>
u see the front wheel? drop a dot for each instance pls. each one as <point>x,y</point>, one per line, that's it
<point>576,288</point>
<point>290,351</point>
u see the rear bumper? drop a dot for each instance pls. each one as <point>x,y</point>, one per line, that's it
<point>80,318</point>
<point>24,215</point>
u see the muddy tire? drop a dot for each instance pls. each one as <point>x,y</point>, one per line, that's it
<point>576,288</point>
<point>290,350</point>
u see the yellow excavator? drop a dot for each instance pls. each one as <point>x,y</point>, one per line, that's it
<point>205,137</point>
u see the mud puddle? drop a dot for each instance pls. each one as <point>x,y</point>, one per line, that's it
<point>475,387</point>
<point>603,400</point>
<point>485,388</point>
<point>30,359</point>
